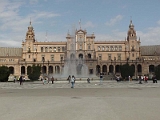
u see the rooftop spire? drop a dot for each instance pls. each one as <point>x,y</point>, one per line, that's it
<point>80,23</point>
<point>30,22</point>
<point>131,24</point>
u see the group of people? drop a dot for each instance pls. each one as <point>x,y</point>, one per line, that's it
<point>21,80</point>
<point>72,79</point>
<point>145,79</point>
<point>47,80</point>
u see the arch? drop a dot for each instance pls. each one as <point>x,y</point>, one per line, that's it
<point>139,68</point>
<point>98,69</point>
<point>81,56</point>
<point>44,70</point>
<point>72,56</point>
<point>50,69</point>
<point>28,69</point>
<point>89,56</point>
<point>111,68</point>
<point>104,69</point>
<point>57,69</point>
<point>134,67</point>
<point>23,70</point>
<point>11,70</point>
<point>151,68</point>
<point>117,68</point>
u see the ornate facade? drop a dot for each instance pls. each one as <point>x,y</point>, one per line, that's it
<point>99,56</point>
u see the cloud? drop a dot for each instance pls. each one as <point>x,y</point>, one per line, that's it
<point>113,21</point>
<point>150,37</point>
<point>158,22</point>
<point>13,25</point>
<point>88,24</point>
<point>33,1</point>
<point>115,35</point>
<point>43,14</point>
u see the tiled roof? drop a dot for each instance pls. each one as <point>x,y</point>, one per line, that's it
<point>6,51</point>
<point>150,50</point>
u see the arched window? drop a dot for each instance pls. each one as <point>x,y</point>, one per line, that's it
<point>81,56</point>
<point>89,56</point>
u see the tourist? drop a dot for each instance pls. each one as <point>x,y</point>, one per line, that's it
<point>129,78</point>
<point>52,79</point>
<point>140,80</point>
<point>69,79</point>
<point>14,79</point>
<point>72,81</point>
<point>146,79</point>
<point>101,78</point>
<point>154,79</point>
<point>44,81</point>
<point>24,78</point>
<point>118,79</point>
<point>88,80</point>
<point>48,79</point>
<point>21,80</point>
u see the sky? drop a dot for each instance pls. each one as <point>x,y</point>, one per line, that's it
<point>52,19</point>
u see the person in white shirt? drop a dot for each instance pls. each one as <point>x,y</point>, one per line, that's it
<point>72,81</point>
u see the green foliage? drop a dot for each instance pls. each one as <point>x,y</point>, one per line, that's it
<point>34,72</point>
<point>157,72</point>
<point>127,70</point>
<point>4,73</point>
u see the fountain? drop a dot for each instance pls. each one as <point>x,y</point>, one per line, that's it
<point>73,64</point>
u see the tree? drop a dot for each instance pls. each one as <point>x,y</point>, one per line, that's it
<point>4,73</point>
<point>126,70</point>
<point>34,72</point>
<point>157,72</point>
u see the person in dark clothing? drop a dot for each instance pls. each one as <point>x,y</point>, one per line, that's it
<point>154,79</point>
<point>140,80</point>
<point>88,80</point>
<point>21,80</point>
<point>101,78</point>
<point>69,79</point>
<point>52,79</point>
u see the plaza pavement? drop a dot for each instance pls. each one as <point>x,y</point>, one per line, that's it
<point>87,101</point>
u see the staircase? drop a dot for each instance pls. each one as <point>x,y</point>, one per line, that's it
<point>110,76</point>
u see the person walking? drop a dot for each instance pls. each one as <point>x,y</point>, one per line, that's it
<point>14,79</point>
<point>69,79</point>
<point>88,80</point>
<point>140,80</point>
<point>21,80</point>
<point>101,78</point>
<point>52,79</point>
<point>129,78</point>
<point>72,81</point>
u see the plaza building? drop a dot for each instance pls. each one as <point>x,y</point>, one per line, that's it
<point>98,56</point>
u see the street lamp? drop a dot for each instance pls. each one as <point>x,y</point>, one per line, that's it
<point>136,68</point>
<point>43,60</point>
<point>127,60</point>
<point>48,68</point>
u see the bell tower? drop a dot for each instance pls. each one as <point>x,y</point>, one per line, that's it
<point>132,44</point>
<point>30,38</point>
<point>28,44</point>
<point>131,32</point>
<point>30,34</point>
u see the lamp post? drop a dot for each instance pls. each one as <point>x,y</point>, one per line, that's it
<point>127,60</point>
<point>48,68</point>
<point>136,68</point>
<point>43,60</point>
